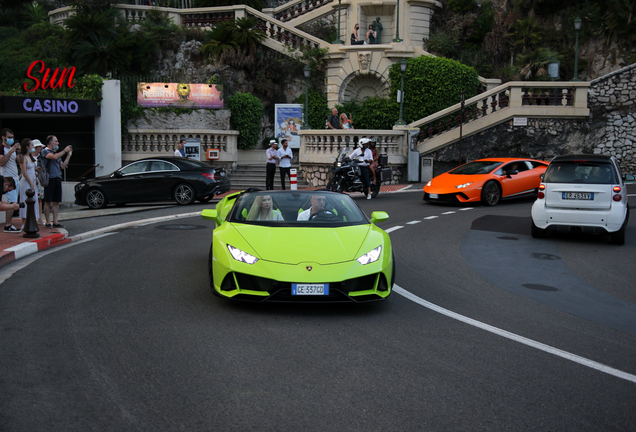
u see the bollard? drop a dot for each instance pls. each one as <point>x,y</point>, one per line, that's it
<point>30,227</point>
<point>292,179</point>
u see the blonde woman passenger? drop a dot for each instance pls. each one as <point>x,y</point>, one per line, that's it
<point>263,210</point>
<point>345,123</point>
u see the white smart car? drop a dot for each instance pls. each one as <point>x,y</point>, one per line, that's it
<point>582,193</point>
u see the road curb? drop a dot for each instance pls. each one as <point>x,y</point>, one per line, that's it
<point>22,250</point>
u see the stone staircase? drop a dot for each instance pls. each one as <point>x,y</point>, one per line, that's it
<point>247,176</point>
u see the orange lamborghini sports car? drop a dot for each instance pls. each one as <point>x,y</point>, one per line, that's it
<point>487,180</point>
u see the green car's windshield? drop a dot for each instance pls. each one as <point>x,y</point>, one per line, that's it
<point>476,167</point>
<point>297,208</point>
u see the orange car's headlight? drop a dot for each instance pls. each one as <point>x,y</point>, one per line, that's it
<point>461,186</point>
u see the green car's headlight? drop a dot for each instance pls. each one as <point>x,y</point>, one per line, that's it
<point>370,257</point>
<point>241,256</point>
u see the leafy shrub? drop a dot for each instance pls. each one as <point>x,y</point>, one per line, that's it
<point>462,6</point>
<point>443,43</point>
<point>247,111</point>
<point>432,84</point>
<point>318,109</point>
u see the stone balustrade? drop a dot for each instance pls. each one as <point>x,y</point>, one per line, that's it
<point>319,149</point>
<point>294,9</point>
<point>142,143</point>
<point>513,99</point>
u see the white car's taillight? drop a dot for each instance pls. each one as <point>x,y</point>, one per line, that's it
<point>541,194</point>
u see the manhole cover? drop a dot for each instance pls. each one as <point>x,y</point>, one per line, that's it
<point>545,256</point>
<point>181,227</point>
<point>539,287</point>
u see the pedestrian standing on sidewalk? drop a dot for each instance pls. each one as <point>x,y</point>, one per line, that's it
<point>38,146</point>
<point>27,167</point>
<point>285,156</point>
<point>272,157</point>
<point>53,192</point>
<point>180,151</point>
<point>9,168</point>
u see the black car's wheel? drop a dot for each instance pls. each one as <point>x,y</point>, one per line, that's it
<point>491,193</point>
<point>618,237</point>
<point>96,199</point>
<point>184,194</point>
<point>538,232</point>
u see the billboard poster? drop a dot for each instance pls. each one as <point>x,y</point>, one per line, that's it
<point>192,148</point>
<point>179,95</point>
<point>289,121</point>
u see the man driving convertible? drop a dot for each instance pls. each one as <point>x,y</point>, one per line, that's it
<point>317,206</point>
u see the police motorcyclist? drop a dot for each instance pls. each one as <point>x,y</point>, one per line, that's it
<point>364,157</point>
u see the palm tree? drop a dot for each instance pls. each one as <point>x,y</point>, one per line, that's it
<point>241,35</point>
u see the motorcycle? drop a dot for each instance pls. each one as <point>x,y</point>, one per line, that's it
<point>346,176</point>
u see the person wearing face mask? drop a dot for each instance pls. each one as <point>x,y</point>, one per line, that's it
<point>354,36</point>
<point>27,166</point>
<point>53,192</point>
<point>9,168</point>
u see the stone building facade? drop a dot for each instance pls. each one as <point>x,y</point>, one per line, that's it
<point>610,129</point>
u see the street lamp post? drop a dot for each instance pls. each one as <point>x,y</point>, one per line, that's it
<point>338,40</point>
<point>397,27</point>
<point>307,72</point>
<point>577,27</point>
<point>403,65</point>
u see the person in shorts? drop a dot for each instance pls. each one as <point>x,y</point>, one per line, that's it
<point>9,168</point>
<point>53,192</point>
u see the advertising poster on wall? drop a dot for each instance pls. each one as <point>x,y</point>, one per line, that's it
<point>192,148</point>
<point>179,95</point>
<point>289,121</point>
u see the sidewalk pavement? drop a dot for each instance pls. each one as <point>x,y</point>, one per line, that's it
<point>15,246</point>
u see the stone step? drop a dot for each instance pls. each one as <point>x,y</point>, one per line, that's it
<point>246,176</point>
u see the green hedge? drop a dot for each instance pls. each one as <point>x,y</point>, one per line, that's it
<point>247,112</point>
<point>432,84</point>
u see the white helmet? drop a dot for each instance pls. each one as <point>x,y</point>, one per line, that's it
<point>363,141</point>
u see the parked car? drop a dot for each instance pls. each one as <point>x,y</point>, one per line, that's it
<point>307,246</point>
<point>154,179</point>
<point>487,180</point>
<point>582,193</point>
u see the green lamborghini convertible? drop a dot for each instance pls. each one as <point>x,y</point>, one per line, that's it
<point>298,246</point>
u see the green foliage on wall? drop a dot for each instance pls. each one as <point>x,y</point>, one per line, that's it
<point>247,111</point>
<point>432,84</point>
<point>318,109</point>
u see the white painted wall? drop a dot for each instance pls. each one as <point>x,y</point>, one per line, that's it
<point>108,130</point>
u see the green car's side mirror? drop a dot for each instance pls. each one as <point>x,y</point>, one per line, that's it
<point>212,215</point>
<point>379,216</point>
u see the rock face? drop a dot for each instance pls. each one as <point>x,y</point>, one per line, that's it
<point>197,119</point>
<point>610,130</point>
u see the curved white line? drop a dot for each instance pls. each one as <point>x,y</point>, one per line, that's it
<point>529,342</point>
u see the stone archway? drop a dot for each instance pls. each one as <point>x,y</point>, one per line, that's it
<point>361,86</point>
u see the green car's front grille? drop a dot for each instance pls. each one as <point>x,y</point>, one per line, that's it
<point>282,291</point>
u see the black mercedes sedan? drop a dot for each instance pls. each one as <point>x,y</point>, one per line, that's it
<point>154,179</point>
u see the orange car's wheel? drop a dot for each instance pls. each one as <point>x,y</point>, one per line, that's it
<point>491,193</point>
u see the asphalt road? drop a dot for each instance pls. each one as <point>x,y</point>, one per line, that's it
<point>488,329</point>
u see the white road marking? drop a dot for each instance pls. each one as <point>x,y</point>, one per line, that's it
<point>449,212</point>
<point>431,217</point>
<point>529,342</point>
<point>393,229</point>
<point>413,222</point>
<point>467,208</point>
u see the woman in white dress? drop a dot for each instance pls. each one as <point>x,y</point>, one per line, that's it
<point>27,165</point>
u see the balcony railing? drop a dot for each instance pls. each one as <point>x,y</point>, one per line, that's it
<point>294,9</point>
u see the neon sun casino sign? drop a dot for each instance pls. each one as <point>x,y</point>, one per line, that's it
<point>46,82</point>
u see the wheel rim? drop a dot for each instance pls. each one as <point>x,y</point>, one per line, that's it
<point>492,194</point>
<point>95,199</point>
<point>184,194</point>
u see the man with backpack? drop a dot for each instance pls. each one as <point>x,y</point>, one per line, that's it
<point>53,192</point>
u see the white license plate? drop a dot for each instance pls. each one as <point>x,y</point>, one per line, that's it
<point>578,195</point>
<point>434,196</point>
<point>310,289</point>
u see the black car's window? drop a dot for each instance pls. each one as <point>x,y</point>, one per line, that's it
<point>477,167</point>
<point>287,207</point>
<point>134,168</point>
<point>161,166</point>
<point>580,172</point>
